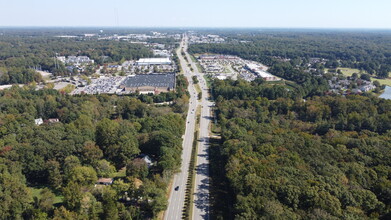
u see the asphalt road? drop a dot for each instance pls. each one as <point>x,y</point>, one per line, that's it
<point>201,189</point>
<point>177,197</point>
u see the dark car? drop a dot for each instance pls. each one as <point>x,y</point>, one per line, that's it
<point>177,188</point>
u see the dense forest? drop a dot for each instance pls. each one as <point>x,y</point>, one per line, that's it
<point>96,136</point>
<point>291,158</point>
<point>20,53</point>
<point>368,51</point>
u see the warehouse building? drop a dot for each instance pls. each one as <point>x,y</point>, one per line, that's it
<point>153,61</point>
<point>149,83</point>
<point>260,72</point>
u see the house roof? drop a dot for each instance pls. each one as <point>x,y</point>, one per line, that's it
<point>52,120</point>
<point>105,180</point>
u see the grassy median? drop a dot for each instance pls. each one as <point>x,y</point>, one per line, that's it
<point>187,211</point>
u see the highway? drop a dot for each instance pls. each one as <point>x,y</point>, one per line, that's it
<point>177,197</point>
<point>201,194</point>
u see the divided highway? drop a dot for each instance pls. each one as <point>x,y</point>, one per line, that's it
<point>201,194</point>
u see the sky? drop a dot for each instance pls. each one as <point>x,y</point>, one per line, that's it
<point>198,13</point>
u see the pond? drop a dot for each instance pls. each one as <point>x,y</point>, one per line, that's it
<point>387,93</point>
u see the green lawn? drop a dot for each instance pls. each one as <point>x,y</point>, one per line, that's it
<point>350,71</point>
<point>35,191</point>
<point>198,88</point>
<point>208,81</point>
<point>120,174</point>
<point>194,59</point>
<point>347,71</point>
<point>386,82</point>
<point>287,84</point>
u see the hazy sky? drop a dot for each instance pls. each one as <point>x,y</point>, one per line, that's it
<point>198,13</point>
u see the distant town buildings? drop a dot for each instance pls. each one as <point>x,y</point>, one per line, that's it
<point>217,57</point>
<point>76,60</point>
<point>315,60</point>
<point>350,85</point>
<point>228,66</point>
<point>162,53</point>
<point>140,37</point>
<point>89,35</point>
<point>200,38</point>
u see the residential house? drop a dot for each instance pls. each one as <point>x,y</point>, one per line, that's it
<point>38,121</point>
<point>105,181</point>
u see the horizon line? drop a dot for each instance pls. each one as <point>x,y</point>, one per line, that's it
<point>200,27</point>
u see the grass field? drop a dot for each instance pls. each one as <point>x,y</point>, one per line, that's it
<point>120,174</point>
<point>194,59</point>
<point>350,71</point>
<point>198,88</point>
<point>286,83</point>
<point>386,82</point>
<point>35,191</point>
<point>208,80</point>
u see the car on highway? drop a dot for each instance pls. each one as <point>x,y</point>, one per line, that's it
<point>176,188</point>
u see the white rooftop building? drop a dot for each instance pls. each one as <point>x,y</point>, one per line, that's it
<point>260,72</point>
<point>38,121</point>
<point>153,61</point>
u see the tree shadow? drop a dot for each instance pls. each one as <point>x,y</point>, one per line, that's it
<point>208,117</point>
<point>202,198</point>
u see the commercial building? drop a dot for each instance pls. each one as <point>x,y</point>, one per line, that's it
<point>153,61</point>
<point>149,83</point>
<point>161,53</point>
<point>76,60</point>
<point>260,72</point>
<point>217,57</point>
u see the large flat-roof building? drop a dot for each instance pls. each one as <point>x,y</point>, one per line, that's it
<point>260,71</point>
<point>153,61</point>
<point>149,83</point>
